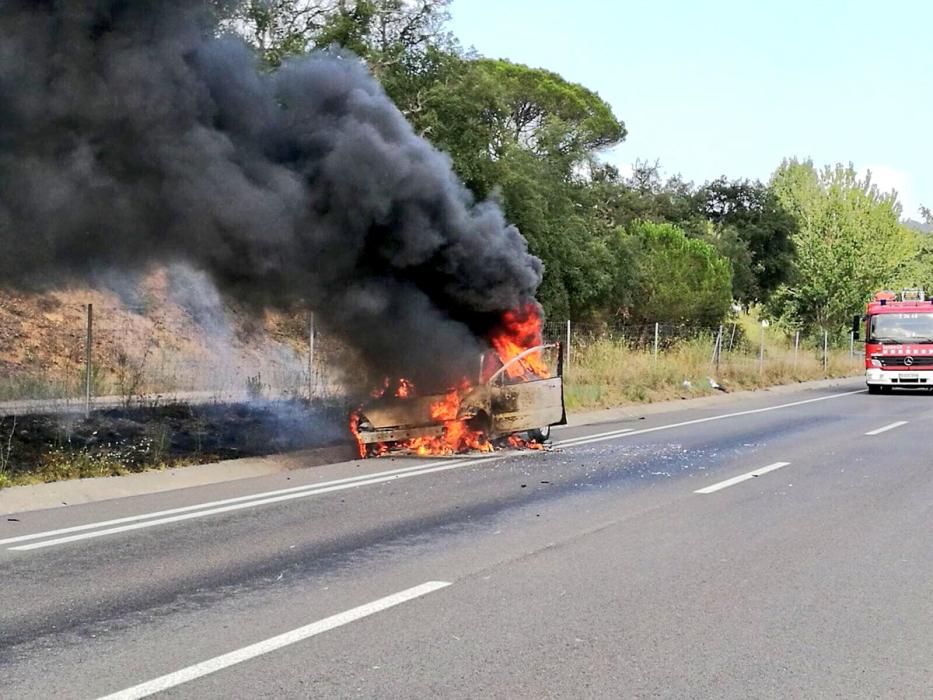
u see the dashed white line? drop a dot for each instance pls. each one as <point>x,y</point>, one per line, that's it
<point>739,479</point>
<point>218,663</point>
<point>886,428</point>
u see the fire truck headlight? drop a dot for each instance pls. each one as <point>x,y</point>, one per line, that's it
<point>875,362</point>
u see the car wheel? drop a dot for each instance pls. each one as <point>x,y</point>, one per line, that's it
<point>541,435</point>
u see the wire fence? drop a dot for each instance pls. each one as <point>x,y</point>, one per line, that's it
<point>74,357</point>
<point>732,342</point>
<point>77,357</point>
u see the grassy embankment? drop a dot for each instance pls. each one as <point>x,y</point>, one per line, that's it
<point>607,373</point>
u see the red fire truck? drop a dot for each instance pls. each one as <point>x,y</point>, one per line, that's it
<point>898,341</point>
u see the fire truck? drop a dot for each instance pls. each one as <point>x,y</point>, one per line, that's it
<point>898,341</point>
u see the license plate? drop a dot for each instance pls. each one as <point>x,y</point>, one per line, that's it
<point>905,375</point>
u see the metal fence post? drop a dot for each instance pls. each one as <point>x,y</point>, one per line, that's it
<point>761,351</point>
<point>88,360</point>
<point>567,352</point>
<point>825,352</point>
<point>796,348</point>
<point>717,350</point>
<point>851,344</point>
<point>657,328</point>
<point>311,356</point>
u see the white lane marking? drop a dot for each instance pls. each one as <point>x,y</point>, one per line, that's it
<point>237,506</point>
<point>611,433</point>
<point>218,663</point>
<point>212,504</point>
<point>697,421</point>
<point>886,428</point>
<point>739,479</point>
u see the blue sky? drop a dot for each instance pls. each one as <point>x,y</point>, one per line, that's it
<point>733,87</point>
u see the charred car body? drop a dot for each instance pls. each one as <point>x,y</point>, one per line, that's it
<point>516,397</point>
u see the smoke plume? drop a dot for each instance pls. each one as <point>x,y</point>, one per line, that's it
<point>131,134</point>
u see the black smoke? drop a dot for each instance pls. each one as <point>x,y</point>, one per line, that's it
<point>131,134</point>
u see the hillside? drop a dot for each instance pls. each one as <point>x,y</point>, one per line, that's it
<point>166,333</point>
<point>919,226</point>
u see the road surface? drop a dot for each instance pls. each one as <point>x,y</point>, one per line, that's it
<point>778,546</point>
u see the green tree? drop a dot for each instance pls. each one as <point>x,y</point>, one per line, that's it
<point>480,110</point>
<point>927,215</point>
<point>917,272</point>
<point>644,195</point>
<point>757,233</point>
<point>850,243</point>
<point>666,276</point>
<point>730,244</point>
<point>382,32</point>
<point>545,114</point>
<point>575,249</point>
<point>278,28</point>
<point>387,33</point>
<point>519,134</point>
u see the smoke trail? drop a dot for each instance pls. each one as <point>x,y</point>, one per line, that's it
<point>131,135</point>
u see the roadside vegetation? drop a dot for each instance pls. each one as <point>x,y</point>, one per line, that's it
<point>606,373</point>
<point>46,448</point>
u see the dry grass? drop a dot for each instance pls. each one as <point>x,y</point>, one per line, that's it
<point>608,373</point>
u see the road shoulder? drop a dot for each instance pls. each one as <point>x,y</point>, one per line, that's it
<point>20,499</point>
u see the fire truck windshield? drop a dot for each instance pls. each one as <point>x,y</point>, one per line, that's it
<point>902,328</point>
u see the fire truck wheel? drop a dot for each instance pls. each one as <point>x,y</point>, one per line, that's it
<point>874,389</point>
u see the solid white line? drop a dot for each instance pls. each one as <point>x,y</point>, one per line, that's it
<point>611,433</point>
<point>212,504</point>
<point>237,506</point>
<point>697,421</point>
<point>219,663</point>
<point>739,479</point>
<point>887,428</point>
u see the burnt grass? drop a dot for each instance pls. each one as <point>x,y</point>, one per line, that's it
<point>48,447</point>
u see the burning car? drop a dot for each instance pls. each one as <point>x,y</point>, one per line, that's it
<point>521,394</point>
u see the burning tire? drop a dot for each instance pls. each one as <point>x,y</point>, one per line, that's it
<point>540,435</point>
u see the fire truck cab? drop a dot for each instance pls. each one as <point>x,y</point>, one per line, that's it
<point>898,341</point>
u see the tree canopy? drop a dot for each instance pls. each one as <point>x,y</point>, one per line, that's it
<point>672,277</point>
<point>850,243</point>
<point>809,245</point>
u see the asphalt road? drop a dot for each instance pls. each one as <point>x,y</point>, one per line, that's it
<point>778,546</point>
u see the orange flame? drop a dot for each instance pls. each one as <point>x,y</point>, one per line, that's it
<point>457,435</point>
<point>519,444</point>
<point>355,432</point>
<point>519,331</point>
<point>380,391</point>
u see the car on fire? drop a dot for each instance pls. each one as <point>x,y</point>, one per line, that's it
<point>504,403</point>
